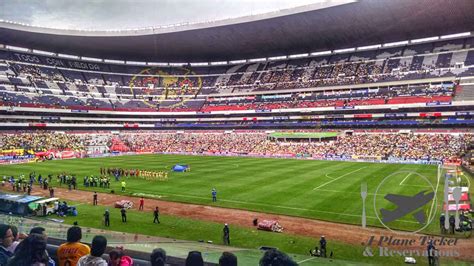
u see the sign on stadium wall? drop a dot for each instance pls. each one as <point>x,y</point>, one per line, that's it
<point>35,59</point>
<point>396,115</point>
<point>437,103</point>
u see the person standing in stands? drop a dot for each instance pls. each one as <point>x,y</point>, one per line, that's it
<point>94,198</point>
<point>107,218</point>
<point>142,203</point>
<point>70,252</point>
<point>124,214</point>
<point>214,195</point>
<point>156,214</point>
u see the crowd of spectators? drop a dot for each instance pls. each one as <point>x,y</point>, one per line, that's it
<point>22,249</point>
<point>421,93</point>
<point>43,141</point>
<point>84,95</point>
<point>41,81</point>
<point>405,146</point>
<point>385,146</point>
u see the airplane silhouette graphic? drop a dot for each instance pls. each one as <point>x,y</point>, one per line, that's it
<point>406,205</point>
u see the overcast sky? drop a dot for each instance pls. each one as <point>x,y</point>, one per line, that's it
<point>121,14</point>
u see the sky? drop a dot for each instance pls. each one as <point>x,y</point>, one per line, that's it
<point>128,14</point>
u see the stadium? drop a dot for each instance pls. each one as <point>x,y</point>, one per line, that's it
<point>330,132</point>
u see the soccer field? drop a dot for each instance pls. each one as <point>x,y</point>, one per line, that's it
<point>326,190</point>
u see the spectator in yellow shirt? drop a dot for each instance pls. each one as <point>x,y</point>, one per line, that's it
<point>70,252</point>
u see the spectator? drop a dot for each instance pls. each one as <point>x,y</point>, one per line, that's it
<point>158,257</point>
<point>38,230</point>
<point>118,258</point>
<point>99,244</point>
<point>70,252</point>
<point>6,236</point>
<point>41,231</point>
<point>194,259</point>
<point>16,238</point>
<point>31,251</point>
<point>274,257</point>
<point>227,259</point>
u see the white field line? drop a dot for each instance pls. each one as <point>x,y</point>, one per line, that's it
<point>329,182</point>
<point>417,186</point>
<point>277,206</point>
<point>299,262</point>
<point>330,177</point>
<point>432,215</point>
<point>345,192</point>
<point>468,181</point>
<point>405,178</point>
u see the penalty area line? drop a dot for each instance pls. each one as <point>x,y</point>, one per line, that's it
<point>337,178</point>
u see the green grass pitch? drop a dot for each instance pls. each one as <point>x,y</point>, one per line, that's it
<point>326,190</point>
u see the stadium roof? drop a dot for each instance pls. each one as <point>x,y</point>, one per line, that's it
<point>318,27</point>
